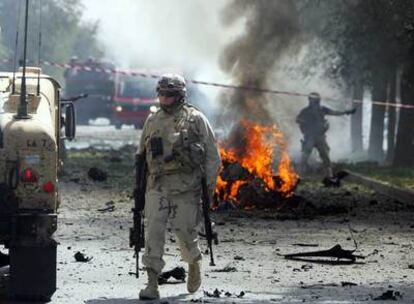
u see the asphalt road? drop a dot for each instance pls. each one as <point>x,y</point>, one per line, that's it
<point>249,266</point>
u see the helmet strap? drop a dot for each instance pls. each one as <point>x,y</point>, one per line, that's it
<point>171,108</point>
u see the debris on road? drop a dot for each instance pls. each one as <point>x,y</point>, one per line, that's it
<point>334,181</point>
<point>335,252</point>
<point>178,273</point>
<point>389,295</point>
<point>225,269</point>
<point>75,180</point>
<point>345,284</point>
<point>110,207</point>
<point>305,245</point>
<point>306,267</point>
<point>80,257</point>
<point>97,174</point>
<point>217,294</point>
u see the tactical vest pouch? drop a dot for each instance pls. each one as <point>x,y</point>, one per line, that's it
<point>197,153</point>
<point>185,139</point>
<point>156,147</point>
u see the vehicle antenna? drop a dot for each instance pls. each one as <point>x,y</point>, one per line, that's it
<point>15,46</point>
<point>22,110</point>
<point>40,47</point>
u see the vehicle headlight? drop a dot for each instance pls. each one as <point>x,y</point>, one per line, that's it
<point>118,108</point>
<point>153,109</point>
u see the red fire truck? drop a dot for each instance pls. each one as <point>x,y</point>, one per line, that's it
<point>133,100</point>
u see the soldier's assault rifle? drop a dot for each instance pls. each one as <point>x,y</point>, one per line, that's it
<point>136,233</point>
<point>207,221</point>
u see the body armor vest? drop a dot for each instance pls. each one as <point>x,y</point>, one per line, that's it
<point>173,142</point>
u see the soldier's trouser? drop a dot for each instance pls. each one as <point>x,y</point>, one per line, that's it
<point>323,149</point>
<point>184,212</point>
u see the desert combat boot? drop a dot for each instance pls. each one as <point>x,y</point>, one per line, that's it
<point>150,292</point>
<point>194,276</point>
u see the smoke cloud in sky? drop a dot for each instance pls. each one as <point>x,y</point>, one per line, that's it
<point>191,36</point>
<point>185,35</point>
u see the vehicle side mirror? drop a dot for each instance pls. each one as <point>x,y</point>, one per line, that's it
<point>70,121</point>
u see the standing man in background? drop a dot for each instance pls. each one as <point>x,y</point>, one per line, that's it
<point>313,125</point>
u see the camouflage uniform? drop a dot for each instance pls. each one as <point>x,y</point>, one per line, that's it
<point>179,147</point>
<point>313,125</point>
<point>174,179</point>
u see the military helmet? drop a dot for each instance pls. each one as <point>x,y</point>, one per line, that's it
<point>314,96</point>
<point>173,83</point>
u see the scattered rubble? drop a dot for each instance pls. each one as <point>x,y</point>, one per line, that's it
<point>389,295</point>
<point>249,233</point>
<point>225,269</point>
<point>334,181</point>
<point>217,294</point>
<point>97,174</point>
<point>305,245</point>
<point>253,191</point>
<point>345,284</point>
<point>335,252</point>
<point>178,273</point>
<point>239,258</point>
<point>80,257</point>
<point>110,207</point>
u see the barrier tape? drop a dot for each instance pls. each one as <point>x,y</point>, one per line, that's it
<point>214,84</point>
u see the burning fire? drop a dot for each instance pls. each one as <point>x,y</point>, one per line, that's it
<point>256,157</point>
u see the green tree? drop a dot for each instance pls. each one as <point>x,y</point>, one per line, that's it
<point>372,39</point>
<point>64,34</point>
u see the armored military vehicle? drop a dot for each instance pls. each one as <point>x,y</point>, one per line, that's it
<point>31,117</point>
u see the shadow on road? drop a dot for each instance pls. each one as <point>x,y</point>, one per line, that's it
<point>169,300</point>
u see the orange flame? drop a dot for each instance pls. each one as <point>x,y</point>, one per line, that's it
<point>257,158</point>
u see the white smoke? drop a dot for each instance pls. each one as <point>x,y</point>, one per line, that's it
<point>185,36</point>
<point>189,36</point>
<point>289,76</point>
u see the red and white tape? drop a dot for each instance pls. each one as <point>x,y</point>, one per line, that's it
<point>214,84</point>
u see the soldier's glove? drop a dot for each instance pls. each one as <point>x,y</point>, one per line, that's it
<point>350,112</point>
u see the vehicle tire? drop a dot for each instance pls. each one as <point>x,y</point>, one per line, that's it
<point>32,271</point>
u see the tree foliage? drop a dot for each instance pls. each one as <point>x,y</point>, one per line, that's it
<point>64,33</point>
<point>365,34</point>
<point>371,40</point>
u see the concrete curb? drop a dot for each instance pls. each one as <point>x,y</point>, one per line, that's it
<point>397,193</point>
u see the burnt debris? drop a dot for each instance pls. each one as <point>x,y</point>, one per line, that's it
<point>252,192</point>
<point>177,273</point>
<point>342,256</point>
<point>109,207</point>
<point>81,257</point>
<point>389,295</point>
<point>97,174</point>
